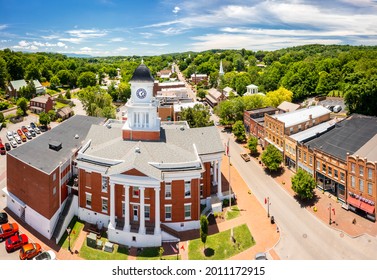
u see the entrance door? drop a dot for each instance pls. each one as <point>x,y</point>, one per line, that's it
<point>136,212</point>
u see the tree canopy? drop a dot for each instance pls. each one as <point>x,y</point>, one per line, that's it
<point>197,116</point>
<point>97,102</point>
<point>238,130</point>
<point>303,184</point>
<point>272,158</point>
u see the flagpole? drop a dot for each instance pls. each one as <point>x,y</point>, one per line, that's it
<point>230,191</point>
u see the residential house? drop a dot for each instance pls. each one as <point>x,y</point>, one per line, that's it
<point>14,86</point>
<point>42,103</point>
<point>214,97</point>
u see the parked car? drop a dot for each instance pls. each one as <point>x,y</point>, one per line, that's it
<point>10,135</point>
<point>337,109</point>
<point>18,139</point>
<point>29,251</point>
<point>330,107</point>
<point>2,148</point>
<point>36,129</point>
<point>14,133</point>
<point>7,146</point>
<point>23,138</point>
<point>245,157</point>
<point>7,230</point>
<point>261,256</point>
<point>13,143</point>
<point>19,132</point>
<point>32,125</point>
<point>28,135</point>
<point>24,129</point>
<point>32,132</point>
<point>15,242</point>
<point>46,255</point>
<point>3,218</point>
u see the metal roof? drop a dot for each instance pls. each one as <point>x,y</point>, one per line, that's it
<point>299,116</point>
<point>313,131</point>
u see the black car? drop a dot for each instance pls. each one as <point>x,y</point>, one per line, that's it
<point>32,132</point>
<point>7,146</point>
<point>3,218</point>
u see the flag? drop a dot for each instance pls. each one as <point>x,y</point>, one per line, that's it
<point>227,148</point>
<point>265,200</point>
<point>174,249</point>
<point>333,210</point>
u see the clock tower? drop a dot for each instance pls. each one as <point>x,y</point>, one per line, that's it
<point>142,122</point>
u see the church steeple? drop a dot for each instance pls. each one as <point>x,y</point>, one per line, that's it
<point>221,71</point>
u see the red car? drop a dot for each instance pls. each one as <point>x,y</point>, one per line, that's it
<point>7,230</point>
<point>29,251</point>
<point>19,132</point>
<point>15,242</point>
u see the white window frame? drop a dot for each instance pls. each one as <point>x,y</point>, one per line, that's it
<point>170,212</point>
<point>123,209</point>
<point>106,209</point>
<point>353,181</point>
<point>201,190</point>
<point>370,173</point>
<point>135,192</point>
<point>88,197</point>
<point>352,167</point>
<point>104,183</point>
<point>147,210</point>
<point>361,171</point>
<point>168,193</point>
<point>187,185</point>
<point>185,211</point>
<point>370,188</point>
<point>361,185</point>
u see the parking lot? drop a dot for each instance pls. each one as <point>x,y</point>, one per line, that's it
<point>334,101</point>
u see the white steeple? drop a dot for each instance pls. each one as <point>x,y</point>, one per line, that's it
<point>221,71</point>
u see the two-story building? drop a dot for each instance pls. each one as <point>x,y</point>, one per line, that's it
<point>42,103</point>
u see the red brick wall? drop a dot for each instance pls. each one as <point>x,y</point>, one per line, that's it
<point>34,187</point>
<point>141,135</point>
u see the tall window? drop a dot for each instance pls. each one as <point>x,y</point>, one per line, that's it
<point>304,157</point>
<point>361,185</point>
<point>370,173</point>
<point>135,191</point>
<point>370,189</point>
<point>318,165</point>
<point>187,211</point>
<point>187,189</point>
<point>336,173</point>
<point>352,167</point>
<point>299,154</point>
<point>324,168</point>
<point>201,189</point>
<point>167,190</point>
<point>361,171</point>
<point>329,171</point>
<point>88,200</point>
<point>168,213</point>
<point>104,204</point>
<point>342,176</point>
<point>104,184</point>
<point>123,209</point>
<point>147,212</point>
<point>310,160</point>
<point>352,181</point>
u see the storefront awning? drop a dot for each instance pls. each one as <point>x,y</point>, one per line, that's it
<point>361,204</point>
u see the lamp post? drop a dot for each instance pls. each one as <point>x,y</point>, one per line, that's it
<point>177,246</point>
<point>267,200</point>
<point>330,222</point>
<point>69,239</point>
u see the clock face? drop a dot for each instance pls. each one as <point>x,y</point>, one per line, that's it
<point>141,93</point>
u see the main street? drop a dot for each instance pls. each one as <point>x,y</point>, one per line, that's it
<point>303,236</point>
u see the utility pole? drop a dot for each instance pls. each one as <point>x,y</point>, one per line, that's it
<point>330,222</point>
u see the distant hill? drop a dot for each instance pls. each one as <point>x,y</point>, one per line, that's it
<point>77,55</point>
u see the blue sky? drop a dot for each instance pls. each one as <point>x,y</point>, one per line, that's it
<point>115,27</point>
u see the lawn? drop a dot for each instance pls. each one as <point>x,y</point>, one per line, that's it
<point>76,227</point>
<point>234,213</point>
<point>59,105</point>
<point>152,254</point>
<point>220,246</point>
<point>88,253</point>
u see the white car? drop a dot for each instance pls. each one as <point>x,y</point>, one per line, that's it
<point>18,139</point>
<point>13,143</point>
<point>10,135</point>
<point>36,129</point>
<point>46,255</point>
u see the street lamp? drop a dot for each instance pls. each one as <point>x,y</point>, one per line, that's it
<point>330,222</point>
<point>69,239</point>
<point>177,246</point>
<point>267,200</point>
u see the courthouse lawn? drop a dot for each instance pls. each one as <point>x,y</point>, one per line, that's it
<point>219,246</point>
<point>153,254</point>
<point>233,214</point>
<point>76,227</point>
<point>88,253</point>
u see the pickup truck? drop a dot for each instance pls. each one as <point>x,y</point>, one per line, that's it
<point>245,157</point>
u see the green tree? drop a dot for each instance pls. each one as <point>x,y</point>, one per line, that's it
<point>276,97</point>
<point>15,68</point>
<point>86,79</point>
<point>203,229</point>
<point>303,184</point>
<point>97,102</point>
<point>197,116</point>
<point>3,73</point>
<point>238,130</point>
<point>252,144</point>
<point>32,72</point>
<point>68,94</point>
<point>124,91</point>
<point>272,158</point>
<point>44,118</point>
<point>54,82</point>
<point>2,118</point>
<point>201,93</point>
<point>22,103</point>
<point>52,115</point>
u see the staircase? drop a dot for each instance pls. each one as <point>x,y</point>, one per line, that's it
<point>62,216</point>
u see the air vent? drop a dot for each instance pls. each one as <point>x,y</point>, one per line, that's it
<point>55,145</point>
<point>137,150</point>
<point>77,136</point>
<point>182,128</point>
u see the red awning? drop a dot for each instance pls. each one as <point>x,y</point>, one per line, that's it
<point>361,204</point>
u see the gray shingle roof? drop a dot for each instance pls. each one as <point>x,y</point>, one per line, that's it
<point>37,152</point>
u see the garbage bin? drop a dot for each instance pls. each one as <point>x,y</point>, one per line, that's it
<point>272,220</point>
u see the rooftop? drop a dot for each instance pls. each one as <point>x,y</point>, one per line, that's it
<point>263,110</point>
<point>288,106</point>
<point>41,98</point>
<point>348,136</point>
<point>142,74</point>
<point>369,150</point>
<point>313,131</point>
<point>299,116</point>
<point>71,133</point>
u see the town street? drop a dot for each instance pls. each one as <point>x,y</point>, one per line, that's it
<point>303,236</point>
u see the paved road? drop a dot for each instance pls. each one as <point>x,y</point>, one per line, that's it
<point>303,236</point>
<point>190,90</point>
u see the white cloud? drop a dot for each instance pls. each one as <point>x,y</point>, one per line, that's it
<point>3,26</point>
<point>35,45</point>
<point>50,37</point>
<point>146,35</point>
<point>152,44</point>
<point>87,33</point>
<point>86,49</point>
<point>71,40</point>
<point>118,39</point>
<point>176,9</point>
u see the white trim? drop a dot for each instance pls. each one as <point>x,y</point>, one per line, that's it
<point>171,212</point>
<point>184,210</point>
<point>86,204</point>
<point>182,175</point>
<point>130,180</point>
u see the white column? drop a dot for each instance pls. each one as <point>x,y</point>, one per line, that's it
<point>157,229</point>
<point>219,178</point>
<point>215,172</point>
<point>112,205</point>
<point>126,209</point>
<point>142,211</point>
